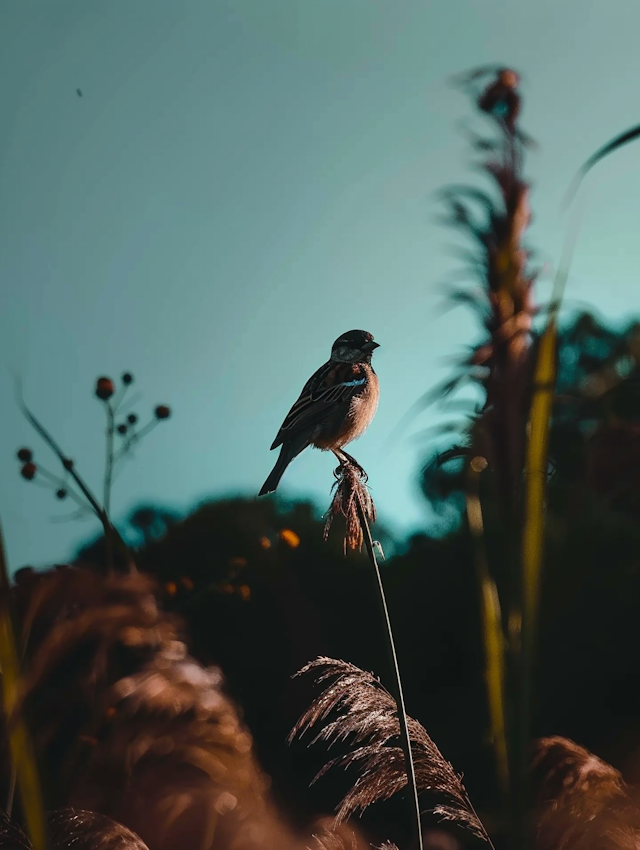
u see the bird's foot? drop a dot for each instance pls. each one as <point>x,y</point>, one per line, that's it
<point>346,458</point>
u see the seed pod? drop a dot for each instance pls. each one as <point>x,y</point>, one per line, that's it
<point>25,455</point>
<point>28,471</point>
<point>122,428</point>
<point>162,411</point>
<point>61,493</point>
<point>104,388</point>
<point>132,418</point>
<point>127,378</point>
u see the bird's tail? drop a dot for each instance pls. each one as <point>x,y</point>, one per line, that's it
<point>284,459</point>
<point>289,450</point>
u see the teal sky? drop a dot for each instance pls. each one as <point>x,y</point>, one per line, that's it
<point>243,181</point>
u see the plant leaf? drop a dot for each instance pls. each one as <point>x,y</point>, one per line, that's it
<point>22,752</point>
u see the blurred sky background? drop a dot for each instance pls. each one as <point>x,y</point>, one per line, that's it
<point>244,180</point>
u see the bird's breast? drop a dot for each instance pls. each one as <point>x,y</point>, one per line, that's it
<point>361,411</point>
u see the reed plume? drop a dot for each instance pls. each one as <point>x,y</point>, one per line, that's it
<point>73,829</point>
<point>328,835</point>
<point>500,262</point>
<point>127,722</point>
<point>350,491</point>
<point>581,802</point>
<point>355,707</point>
<point>11,835</point>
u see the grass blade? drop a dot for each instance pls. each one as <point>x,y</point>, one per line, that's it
<point>533,530</point>
<point>22,752</point>
<point>605,150</point>
<point>492,630</point>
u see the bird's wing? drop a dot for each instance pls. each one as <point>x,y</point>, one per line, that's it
<point>332,386</point>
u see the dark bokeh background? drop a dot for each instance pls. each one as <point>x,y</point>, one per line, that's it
<point>262,594</point>
<point>286,156</point>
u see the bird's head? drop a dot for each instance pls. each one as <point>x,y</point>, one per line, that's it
<point>353,347</point>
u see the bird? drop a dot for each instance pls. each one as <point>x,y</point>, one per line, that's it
<point>336,404</point>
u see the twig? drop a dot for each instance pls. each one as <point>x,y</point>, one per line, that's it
<point>99,511</point>
<point>108,475</point>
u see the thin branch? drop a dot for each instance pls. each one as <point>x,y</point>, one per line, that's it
<point>68,465</point>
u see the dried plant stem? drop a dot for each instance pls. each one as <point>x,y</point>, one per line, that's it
<point>110,532</point>
<point>131,441</point>
<point>22,752</point>
<point>108,476</point>
<point>397,683</point>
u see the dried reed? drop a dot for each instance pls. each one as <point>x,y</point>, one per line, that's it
<point>353,500</point>
<point>128,724</point>
<point>356,707</point>
<point>581,803</point>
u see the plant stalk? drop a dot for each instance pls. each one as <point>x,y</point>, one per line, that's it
<point>108,475</point>
<point>397,681</point>
<point>21,747</point>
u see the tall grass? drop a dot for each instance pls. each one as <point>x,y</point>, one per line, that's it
<point>23,760</point>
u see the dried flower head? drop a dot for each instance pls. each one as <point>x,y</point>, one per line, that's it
<point>132,418</point>
<point>127,378</point>
<point>104,388</point>
<point>350,489</point>
<point>162,411</point>
<point>25,455</point>
<point>61,493</point>
<point>28,471</point>
<point>501,100</point>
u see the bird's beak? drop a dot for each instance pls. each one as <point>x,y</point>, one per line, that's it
<point>370,346</point>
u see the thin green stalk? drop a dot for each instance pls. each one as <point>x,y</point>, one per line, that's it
<point>492,629</point>
<point>20,745</point>
<point>397,689</point>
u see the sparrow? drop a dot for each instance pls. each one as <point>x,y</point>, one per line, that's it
<point>336,404</point>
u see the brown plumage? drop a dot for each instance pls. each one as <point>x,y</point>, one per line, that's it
<point>335,407</point>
